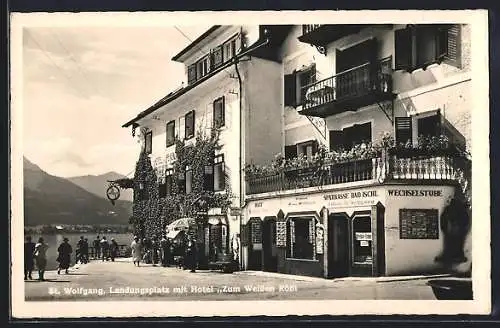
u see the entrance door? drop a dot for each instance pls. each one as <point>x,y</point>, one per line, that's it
<point>269,250</point>
<point>338,246</point>
<point>362,259</point>
<point>255,244</point>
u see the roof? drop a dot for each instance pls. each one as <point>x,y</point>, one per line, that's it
<point>195,42</point>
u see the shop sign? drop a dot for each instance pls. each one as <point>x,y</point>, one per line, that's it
<point>363,236</point>
<point>302,201</point>
<point>415,193</point>
<point>364,243</point>
<point>235,211</point>
<point>352,198</point>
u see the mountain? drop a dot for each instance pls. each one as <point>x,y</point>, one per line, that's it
<point>97,184</point>
<point>53,200</point>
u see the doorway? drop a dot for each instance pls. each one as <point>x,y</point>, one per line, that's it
<point>338,245</point>
<point>255,244</point>
<point>269,249</point>
<point>362,254</point>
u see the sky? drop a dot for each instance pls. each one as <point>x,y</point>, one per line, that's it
<point>80,85</point>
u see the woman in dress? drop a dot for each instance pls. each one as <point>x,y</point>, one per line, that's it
<point>41,257</point>
<point>64,257</point>
<point>136,251</point>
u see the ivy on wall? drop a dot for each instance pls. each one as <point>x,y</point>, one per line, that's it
<point>151,214</point>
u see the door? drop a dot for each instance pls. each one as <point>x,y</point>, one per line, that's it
<point>255,244</point>
<point>269,250</point>
<point>338,246</point>
<point>362,258</point>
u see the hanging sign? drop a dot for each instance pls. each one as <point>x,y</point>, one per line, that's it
<point>113,193</point>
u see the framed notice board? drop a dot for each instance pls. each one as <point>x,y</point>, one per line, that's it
<point>281,234</point>
<point>418,224</point>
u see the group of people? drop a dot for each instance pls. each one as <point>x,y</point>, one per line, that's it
<point>36,254</point>
<point>105,250</point>
<point>164,250</point>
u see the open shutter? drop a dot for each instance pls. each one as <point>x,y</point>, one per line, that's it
<point>182,127</point>
<point>290,151</point>
<point>312,74</point>
<point>454,46</point>
<point>336,139</point>
<point>403,128</point>
<point>291,90</point>
<point>191,73</point>
<point>238,44</point>
<point>403,45</point>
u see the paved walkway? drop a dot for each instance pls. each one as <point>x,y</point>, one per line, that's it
<point>121,280</point>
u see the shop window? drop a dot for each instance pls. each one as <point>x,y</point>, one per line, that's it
<point>421,45</point>
<point>362,246</point>
<point>302,235</point>
<point>219,174</point>
<point>189,180</point>
<point>296,85</point>
<point>219,113</point>
<point>189,125</point>
<point>148,142</point>
<point>170,133</point>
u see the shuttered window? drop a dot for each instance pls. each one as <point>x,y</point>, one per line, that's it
<point>170,133</point>
<point>290,151</point>
<point>189,125</point>
<point>290,90</point>
<point>208,177</point>
<point>219,115</point>
<point>336,139</point>
<point>403,127</point>
<point>429,126</point>
<point>148,142</point>
<point>403,45</point>
<point>454,46</point>
<point>305,78</point>
<point>191,74</point>
<point>217,57</point>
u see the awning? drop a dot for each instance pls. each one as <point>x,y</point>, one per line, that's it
<point>172,234</point>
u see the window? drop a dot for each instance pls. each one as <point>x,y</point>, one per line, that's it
<point>302,238</point>
<point>202,67</point>
<point>290,151</point>
<point>296,85</point>
<point>217,57</point>
<point>142,193</point>
<point>192,74</point>
<point>170,133</point>
<point>148,142</point>
<point>429,126</point>
<point>219,115</point>
<point>219,174</point>
<point>231,47</point>
<point>307,149</point>
<point>181,182</point>
<point>169,181</point>
<point>421,45</point>
<point>189,180</point>
<point>357,134</point>
<point>189,125</point>
<point>418,224</point>
<point>403,126</point>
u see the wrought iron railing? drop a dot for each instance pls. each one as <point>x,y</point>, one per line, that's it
<point>354,82</point>
<point>309,28</point>
<point>387,168</point>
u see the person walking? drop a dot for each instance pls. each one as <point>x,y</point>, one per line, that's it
<point>64,257</point>
<point>191,255</point>
<point>136,251</point>
<point>165,248</point>
<point>79,250</point>
<point>29,249</point>
<point>85,250</point>
<point>41,257</point>
<point>154,251</point>
<point>104,249</point>
<point>113,249</point>
<point>97,248</point>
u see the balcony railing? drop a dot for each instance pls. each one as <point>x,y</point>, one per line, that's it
<point>390,168</point>
<point>323,34</point>
<point>356,87</point>
<point>306,29</point>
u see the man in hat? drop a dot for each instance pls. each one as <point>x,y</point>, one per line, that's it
<point>113,249</point>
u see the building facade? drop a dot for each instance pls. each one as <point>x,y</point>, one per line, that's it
<point>341,145</point>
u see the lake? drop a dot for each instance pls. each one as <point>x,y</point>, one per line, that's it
<point>55,240</point>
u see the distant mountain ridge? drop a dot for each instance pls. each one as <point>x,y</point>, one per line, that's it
<point>97,184</point>
<point>54,200</point>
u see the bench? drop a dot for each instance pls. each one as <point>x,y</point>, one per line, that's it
<point>224,262</point>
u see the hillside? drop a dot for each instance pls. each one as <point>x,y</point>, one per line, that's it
<point>53,200</point>
<point>97,184</point>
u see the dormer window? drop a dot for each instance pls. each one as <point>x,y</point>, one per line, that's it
<point>203,67</point>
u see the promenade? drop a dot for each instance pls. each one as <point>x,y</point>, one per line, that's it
<point>121,280</point>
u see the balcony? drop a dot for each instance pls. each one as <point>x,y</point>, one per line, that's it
<point>321,35</point>
<point>390,168</point>
<point>349,90</point>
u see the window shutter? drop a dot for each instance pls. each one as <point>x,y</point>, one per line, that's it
<point>312,73</point>
<point>149,142</point>
<point>403,45</point>
<point>217,57</point>
<point>336,139</point>
<point>454,46</point>
<point>291,90</point>
<point>403,128</point>
<point>290,151</point>
<point>191,73</point>
<point>182,126</point>
<point>238,44</point>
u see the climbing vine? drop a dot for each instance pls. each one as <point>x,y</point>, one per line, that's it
<point>151,214</point>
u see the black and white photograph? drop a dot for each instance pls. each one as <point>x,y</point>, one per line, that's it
<point>280,163</point>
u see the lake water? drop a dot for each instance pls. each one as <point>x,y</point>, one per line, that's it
<point>55,240</point>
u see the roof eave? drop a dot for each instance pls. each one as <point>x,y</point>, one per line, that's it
<point>178,57</point>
